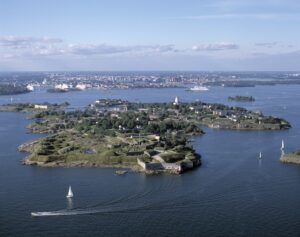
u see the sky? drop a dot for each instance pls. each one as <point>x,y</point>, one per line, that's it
<point>117,35</point>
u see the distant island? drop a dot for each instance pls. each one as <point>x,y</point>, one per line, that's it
<point>8,89</point>
<point>292,157</point>
<point>30,107</point>
<point>241,98</point>
<point>149,137</point>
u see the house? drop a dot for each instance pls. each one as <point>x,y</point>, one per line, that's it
<point>219,112</point>
<point>41,106</point>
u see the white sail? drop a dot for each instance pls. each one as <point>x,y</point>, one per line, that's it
<point>260,155</point>
<point>70,193</point>
<point>282,145</point>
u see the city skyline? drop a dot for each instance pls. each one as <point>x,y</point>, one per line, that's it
<point>143,35</point>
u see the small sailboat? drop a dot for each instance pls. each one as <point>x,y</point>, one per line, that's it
<point>70,193</point>
<point>282,145</point>
<point>260,155</point>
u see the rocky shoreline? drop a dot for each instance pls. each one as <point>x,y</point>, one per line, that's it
<point>86,164</point>
<point>28,146</point>
<point>290,158</point>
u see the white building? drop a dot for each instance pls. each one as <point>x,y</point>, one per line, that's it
<point>41,106</point>
<point>81,87</point>
<point>62,87</point>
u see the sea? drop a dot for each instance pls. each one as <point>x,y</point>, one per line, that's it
<point>233,193</point>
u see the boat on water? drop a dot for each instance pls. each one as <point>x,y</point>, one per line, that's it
<point>199,88</point>
<point>55,213</point>
<point>282,145</point>
<point>70,193</point>
<point>121,172</point>
<point>260,155</point>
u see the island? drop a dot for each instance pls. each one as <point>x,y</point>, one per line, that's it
<point>240,98</point>
<point>31,107</point>
<point>292,157</point>
<point>9,89</point>
<point>147,137</point>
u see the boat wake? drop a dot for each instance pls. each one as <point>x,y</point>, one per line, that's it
<point>138,201</point>
<point>65,213</point>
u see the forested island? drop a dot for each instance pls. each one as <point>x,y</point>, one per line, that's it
<point>8,89</point>
<point>240,98</point>
<point>151,137</point>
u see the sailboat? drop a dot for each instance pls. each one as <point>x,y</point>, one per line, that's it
<point>70,193</point>
<point>260,155</point>
<point>282,145</point>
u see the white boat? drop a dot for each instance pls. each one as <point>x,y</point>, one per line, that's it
<point>282,145</point>
<point>70,193</point>
<point>199,88</point>
<point>260,155</point>
<point>30,87</point>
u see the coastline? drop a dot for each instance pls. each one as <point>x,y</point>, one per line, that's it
<point>28,147</point>
<point>290,158</point>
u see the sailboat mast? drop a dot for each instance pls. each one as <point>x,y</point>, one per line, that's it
<point>282,144</point>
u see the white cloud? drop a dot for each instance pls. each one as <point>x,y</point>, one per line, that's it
<point>44,46</point>
<point>266,44</point>
<point>17,42</point>
<point>215,46</point>
<point>234,16</point>
<point>105,49</point>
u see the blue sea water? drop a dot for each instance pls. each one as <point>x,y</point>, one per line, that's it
<point>231,194</point>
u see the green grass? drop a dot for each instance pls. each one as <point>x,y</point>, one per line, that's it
<point>172,156</point>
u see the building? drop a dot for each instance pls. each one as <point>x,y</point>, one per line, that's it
<point>41,106</point>
<point>220,112</point>
<point>80,87</point>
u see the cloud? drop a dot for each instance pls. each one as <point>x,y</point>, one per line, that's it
<point>238,4</point>
<point>104,49</point>
<point>234,16</point>
<point>272,62</point>
<point>45,46</point>
<point>267,44</point>
<point>17,42</point>
<point>215,46</point>
<point>178,61</point>
<point>274,44</point>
